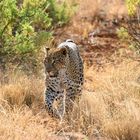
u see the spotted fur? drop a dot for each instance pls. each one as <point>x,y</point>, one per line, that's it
<point>64,76</point>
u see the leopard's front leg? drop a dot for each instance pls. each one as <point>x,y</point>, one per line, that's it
<point>50,96</point>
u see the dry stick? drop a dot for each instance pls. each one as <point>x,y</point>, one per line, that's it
<point>131,34</point>
<point>64,106</point>
<point>64,98</point>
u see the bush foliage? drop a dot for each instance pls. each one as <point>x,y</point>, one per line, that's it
<point>132,6</point>
<point>26,25</point>
<point>130,30</point>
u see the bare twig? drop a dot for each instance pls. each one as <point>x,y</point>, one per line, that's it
<point>5,28</point>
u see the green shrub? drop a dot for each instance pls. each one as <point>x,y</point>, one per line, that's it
<point>129,31</point>
<point>132,6</point>
<point>26,25</point>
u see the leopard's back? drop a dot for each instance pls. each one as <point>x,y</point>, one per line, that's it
<point>74,68</point>
<point>69,78</point>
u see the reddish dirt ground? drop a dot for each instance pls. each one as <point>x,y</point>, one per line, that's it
<point>99,44</point>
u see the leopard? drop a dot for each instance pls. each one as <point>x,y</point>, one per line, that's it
<point>64,77</point>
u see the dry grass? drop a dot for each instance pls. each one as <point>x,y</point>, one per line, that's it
<point>109,107</point>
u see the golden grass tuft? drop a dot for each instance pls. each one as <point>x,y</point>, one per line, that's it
<point>22,89</point>
<point>109,107</point>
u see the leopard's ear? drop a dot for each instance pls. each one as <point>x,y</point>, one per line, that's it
<point>47,51</point>
<point>63,51</point>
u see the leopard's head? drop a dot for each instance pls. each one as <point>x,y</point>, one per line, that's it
<point>55,60</point>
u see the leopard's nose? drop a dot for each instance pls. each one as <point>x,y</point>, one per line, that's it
<point>51,73</point>
<point>49,70</point>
